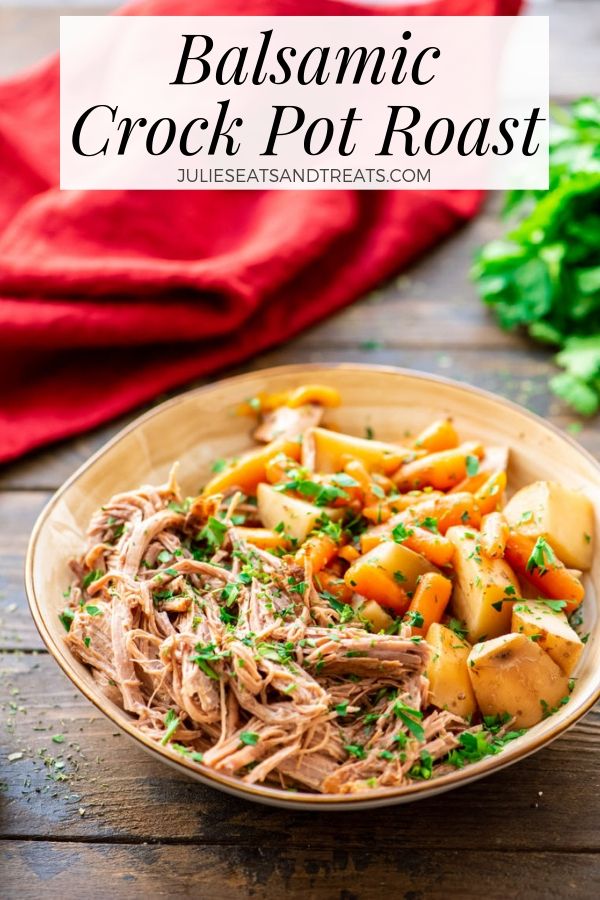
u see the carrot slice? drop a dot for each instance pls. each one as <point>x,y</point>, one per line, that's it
<point>441,470</point>
<point>434,547</point>
<point>494,532</point>
<point>440,435</point>
<point>349,553</point>
<point>490,493</point>
<point>543,569</point>
<point>264,538</point>
<point>248,470</point>
<point>430,600</point>
<point>337,587</point>
<point>373,582</point>
<point>319,549</point>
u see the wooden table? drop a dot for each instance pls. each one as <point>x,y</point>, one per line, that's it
<point>94,816</point>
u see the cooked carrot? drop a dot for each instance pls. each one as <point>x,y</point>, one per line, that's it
<point>313,393</point>
<point>494,532</point>
<point>543,569</point>
<point>337,587</point>
<point>447,510</point>
<point>349,553</point>
<point>430,600</point>
<point>248,470</point>
<point>384,509</point>
<point>277,468</point>
<point>441,470</point>
<point>440,435</point>
<point>372,581</point>
<point>470,483</point>
<point>378,513</point>
<point>319,549</point>
<point>434,547</point>
<point>489,495</point>
<point>264,538</point>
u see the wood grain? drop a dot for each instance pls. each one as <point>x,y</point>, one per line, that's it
<point>121,788</point>
<point>310,871</point>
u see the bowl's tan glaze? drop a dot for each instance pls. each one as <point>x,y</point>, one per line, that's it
<point>202,425</point>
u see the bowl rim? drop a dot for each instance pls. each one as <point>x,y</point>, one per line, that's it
<point>265,793</point>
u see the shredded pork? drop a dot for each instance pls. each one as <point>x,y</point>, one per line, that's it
<point>230,658</point>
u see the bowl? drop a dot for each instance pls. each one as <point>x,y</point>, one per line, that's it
<point>202,425</point>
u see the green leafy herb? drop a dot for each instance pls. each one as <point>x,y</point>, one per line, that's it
<point>545,275</point>
<point>542,557</point>
<point>459,628</point>
<point>213,533</point>
<point>171,722</point>
<point>205,654</point>
<point>185,751</point>
<point>355,750</point>
<point>250,738</point>
<point>411,718</point>
<point>219,465</point>
<point>66,617</point>
<point>414,618</point>
<point>320,494</point>
<point>90,577</point>
<point>472,464</point>
<point>93,610</point>
<point>400,533</point>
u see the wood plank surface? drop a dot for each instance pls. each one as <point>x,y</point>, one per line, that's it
<point>92,815</point>
<point>121,788</point>
<point>310,871</point>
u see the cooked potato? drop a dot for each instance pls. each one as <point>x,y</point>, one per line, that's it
<point>550,630</point>
<point>388,574</point>
<point>485,588</point>
<point>565,518</point>
<point>373,613</point>
<point>512,674</point>
<point>326,451</point>
<point>449,682</point>
<point>403,565</point>
<point>299,518</point>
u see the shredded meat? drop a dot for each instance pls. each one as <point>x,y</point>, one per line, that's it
<point>205,642</point>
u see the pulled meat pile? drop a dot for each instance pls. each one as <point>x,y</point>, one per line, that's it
<point>228,655</point>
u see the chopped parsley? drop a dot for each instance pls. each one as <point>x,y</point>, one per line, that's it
<point>542,557</point>
<point>171,722</point>
<point>410,718</point>
<point>472,465</point>
<point>249,738</point>
<point>400,533</point>
<point>90,577</point>
<point>66,617</point>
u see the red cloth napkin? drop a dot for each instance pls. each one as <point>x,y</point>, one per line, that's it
<point>109,298</point>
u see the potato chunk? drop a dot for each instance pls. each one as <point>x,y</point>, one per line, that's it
<point>565,518</point>
<point>449,682</point>
<point>376,616</point>
<point>388,574</point>
<point>512,674</point>
<point>326,451</point>
<point>485,588</point>
<point>299,518</point>
<point>550,630</point>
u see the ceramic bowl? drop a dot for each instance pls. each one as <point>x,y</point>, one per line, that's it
<point>202,425</point>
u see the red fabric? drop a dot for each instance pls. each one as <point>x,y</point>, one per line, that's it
<point>108,298</point>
